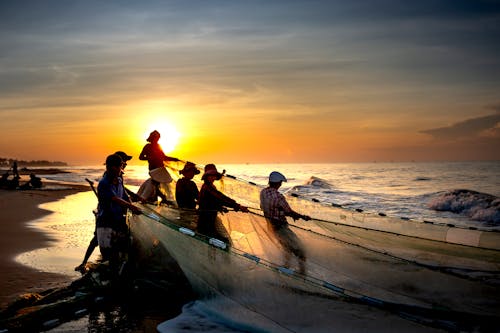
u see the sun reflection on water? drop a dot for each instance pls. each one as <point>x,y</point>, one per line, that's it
<point>71,226</point>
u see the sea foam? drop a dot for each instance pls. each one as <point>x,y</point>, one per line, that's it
<point>477,206</point>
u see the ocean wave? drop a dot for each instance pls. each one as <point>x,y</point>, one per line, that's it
<point>476,205</point>
<point>313,183</point>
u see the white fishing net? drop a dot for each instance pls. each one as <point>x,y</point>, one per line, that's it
<point>417,270</point>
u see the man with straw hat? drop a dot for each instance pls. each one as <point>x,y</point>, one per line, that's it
<point>211,202</point>
<point>186,191</point>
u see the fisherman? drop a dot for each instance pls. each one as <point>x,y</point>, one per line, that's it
<point>186,191</point>
<point>211,201</point>
<point>112,230</point>
<point>276,208</point>
<point>153,153</point>
<point>34,182</point>
<point>125,158</point>
<point>134,197</point>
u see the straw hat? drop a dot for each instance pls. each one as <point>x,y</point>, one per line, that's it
<point>211,170</point>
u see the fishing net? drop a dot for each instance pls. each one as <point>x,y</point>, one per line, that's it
<point>421,271</point>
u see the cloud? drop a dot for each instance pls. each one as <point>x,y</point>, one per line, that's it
<point>485,127</point>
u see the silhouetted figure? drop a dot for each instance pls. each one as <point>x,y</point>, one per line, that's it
<point>153,153</point>
<point>15,172</point>
<point>93,242</point>
<point>276,208</point>
<point>112,230</point>
<point>13,184</point>
<point>34,182</point>
<point>211,202</point>
<point>186,191</point>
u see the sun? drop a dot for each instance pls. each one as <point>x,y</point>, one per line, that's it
<point>169,136</point>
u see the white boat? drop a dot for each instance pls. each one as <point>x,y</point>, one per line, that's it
<point>361,269</point>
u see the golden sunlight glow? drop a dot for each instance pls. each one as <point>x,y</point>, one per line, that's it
<point>169,135</point>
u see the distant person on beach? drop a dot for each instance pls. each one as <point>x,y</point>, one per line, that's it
<point>276,208</point>
<point>15,172</point>
<point>186,191</point>
<point>153,153</point>
<point>34,182</point>
<point>13,184</point>
<point>211,201</point>
<point>112,230</point>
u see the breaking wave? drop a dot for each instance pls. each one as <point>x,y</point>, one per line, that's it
<point>475,205</point>
<point>318,182</point>
<point>312,184</point>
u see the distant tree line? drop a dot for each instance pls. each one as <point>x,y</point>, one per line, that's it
<point>7,162</point>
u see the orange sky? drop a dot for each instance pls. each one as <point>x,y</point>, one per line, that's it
<point>280,82</point>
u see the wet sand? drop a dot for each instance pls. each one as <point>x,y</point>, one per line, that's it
<point>17,209</point>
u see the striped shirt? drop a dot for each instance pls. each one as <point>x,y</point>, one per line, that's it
<point>274,205</point>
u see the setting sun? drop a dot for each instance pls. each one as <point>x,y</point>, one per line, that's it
<point>169,136</point>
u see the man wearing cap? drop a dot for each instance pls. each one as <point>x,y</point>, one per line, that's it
<point>113,204</point>
<point>93,242</point>
<point>125,158</point>
<point>212,201</point>
<point>276,209</point>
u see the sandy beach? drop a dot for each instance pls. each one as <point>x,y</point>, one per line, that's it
<point>18,208</point>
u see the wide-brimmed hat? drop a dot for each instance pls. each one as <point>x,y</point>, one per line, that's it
<point>211,170</point>
<point>153,136</point>
<point>189,166</point>
<point>124,156</point>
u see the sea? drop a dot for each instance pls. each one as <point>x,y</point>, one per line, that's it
<point>460,193</point>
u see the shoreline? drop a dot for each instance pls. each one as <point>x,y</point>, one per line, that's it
<point>19,207</point>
